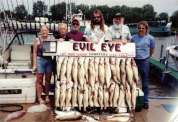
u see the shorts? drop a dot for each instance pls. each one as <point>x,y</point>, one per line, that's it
<point>44,65</point>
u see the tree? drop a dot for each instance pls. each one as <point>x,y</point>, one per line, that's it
<point>20,12</point>
<point>39,9</point>
<point>58,11</point>
<point>174,19</point>
<point>148,12</point>
<point>163,16</point>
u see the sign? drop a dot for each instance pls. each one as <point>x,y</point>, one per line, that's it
<point>92,49</point>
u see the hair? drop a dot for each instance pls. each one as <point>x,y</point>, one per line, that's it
<point>145,24</point>
<point>97,11</point>
<point>62,25</point>
<point>44,26</point>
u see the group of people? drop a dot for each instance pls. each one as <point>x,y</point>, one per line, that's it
<point>96,32</point>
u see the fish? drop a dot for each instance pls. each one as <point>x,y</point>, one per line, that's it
<point>37,108</point>
<point>101,96</point>
<point>59,63</point>
<point>107,72</point>
<point>123,72</point>
<point>92,74</point>
<point>116,96</point>
<point>85,97</point>
<point>63,94</point>
<point>80,98</point>
<point>69,69</point>
<point>90,95</point>
<point>118,69</point>
<point>96,64</point>
<point>128,96</point>
<point>69,93</point>
<point>101,71</point>
<point>121,101</point>
<point>81,72</point>
<point>129,71</point>
<point>86,65</point>
<point>135,71</point>
<point>106,97</point>
<point>67,115</point>
<point>57,93</point>
<point>63,70</point>
<point>113,69</point>
<point>133,95</point>
<point>14,115</point>
<point>88,119</point>
<point>111,93</point>
<point>75,71</point>
<point>74,95</point>
<point>95,96</point>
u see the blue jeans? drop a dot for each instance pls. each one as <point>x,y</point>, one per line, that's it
<point>44,65</point>
<point>143,69</point>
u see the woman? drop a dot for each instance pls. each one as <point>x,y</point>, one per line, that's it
<point>62,30</point>
<point>43,64</point>
<point>145,45</point>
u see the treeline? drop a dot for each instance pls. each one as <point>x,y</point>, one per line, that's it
<point>58,12</point>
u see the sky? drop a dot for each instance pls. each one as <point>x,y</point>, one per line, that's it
<point>168,6</point>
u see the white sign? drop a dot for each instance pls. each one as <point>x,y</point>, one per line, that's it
<point>92,49</point>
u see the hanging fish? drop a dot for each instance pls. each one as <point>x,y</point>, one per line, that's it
<point>111,93</point>
<point>81,72</point>
<point>96,64</point>
<point>69,69</point>
<point>129,71</point>
<point>74,95</point>
<point>118,70</point>
<point>101,71</point>
<point>92,74</point>
<point>75,70</point>
<point>113,69</point>
<point>59,63</point>
<point>57,93</point>
<point>85,97</point>
<point>107,72</point>
<point>135,71</point>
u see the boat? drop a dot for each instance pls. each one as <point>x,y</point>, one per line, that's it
<point>156,28</point>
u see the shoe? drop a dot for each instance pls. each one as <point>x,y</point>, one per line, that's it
<point>47,99</point>
<point>41,101</point>
<point>146,106</point>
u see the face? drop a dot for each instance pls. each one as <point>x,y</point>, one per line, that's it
<point>142,30</point>
<point>62,30</point>
<point>44,32</point>
<point>97,18</point>
<point>118,20</point>
<point>75,26</point>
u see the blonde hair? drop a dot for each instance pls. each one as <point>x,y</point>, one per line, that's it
<point>60,25</point>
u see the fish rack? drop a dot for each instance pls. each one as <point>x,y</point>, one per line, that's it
<point>96,82</point>
<point>98,79</point>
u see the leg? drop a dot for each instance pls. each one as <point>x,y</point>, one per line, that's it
<point>39,88</point>
<point>47,84</point>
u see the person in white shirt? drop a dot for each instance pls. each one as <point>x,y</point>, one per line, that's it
<point>97,29</point>
<point>118,31</point>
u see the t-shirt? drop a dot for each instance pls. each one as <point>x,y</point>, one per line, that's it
<point>75,35</point>
<point>119,32</point>
<point>96,35</point>
<point>143,45</point>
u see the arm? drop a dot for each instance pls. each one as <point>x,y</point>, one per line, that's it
<point>34,54</point>
<point>152,50</point>
<point>152,46</point>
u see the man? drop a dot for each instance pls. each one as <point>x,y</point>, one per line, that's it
<point>96,32</point>
<point>75,33</point>
<point>62,30</point>
<point>118,31</point>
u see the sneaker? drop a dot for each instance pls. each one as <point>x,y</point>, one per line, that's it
<point>146,106</point>
<point>47,99</point>
<point>41,101</point>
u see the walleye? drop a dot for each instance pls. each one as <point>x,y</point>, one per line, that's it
<point>133,94</point>
<point>74,95</point>
<point>92,74</point>
<point>123,73</point>
<point>75,71</point>
<point>63,70</point>
<point>100,96</point>
<point>57,93</point>
<point>118,69</point>
<point>59,63</point>
<point>69,93</point>
<point>85,97</point>
<point>69,69</point>
<point>135,71</point>
<point>95,96</point>
<point>129,71</point>
<point>107,72</point>
<point>113,69</point>
<point>101,71</point>
<point>81,72</point>
<point>111,93</point>
<point>86,62</point>
<point>116,96</point>
<point>106,97</point>
<point>90,95</point>
<point>96,63</point>
<point>63,93</point>
<point>128,96</point>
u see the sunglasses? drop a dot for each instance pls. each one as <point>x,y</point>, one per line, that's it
<point>75,24</point>
<point>97,17</point>
<point>141,28</point>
